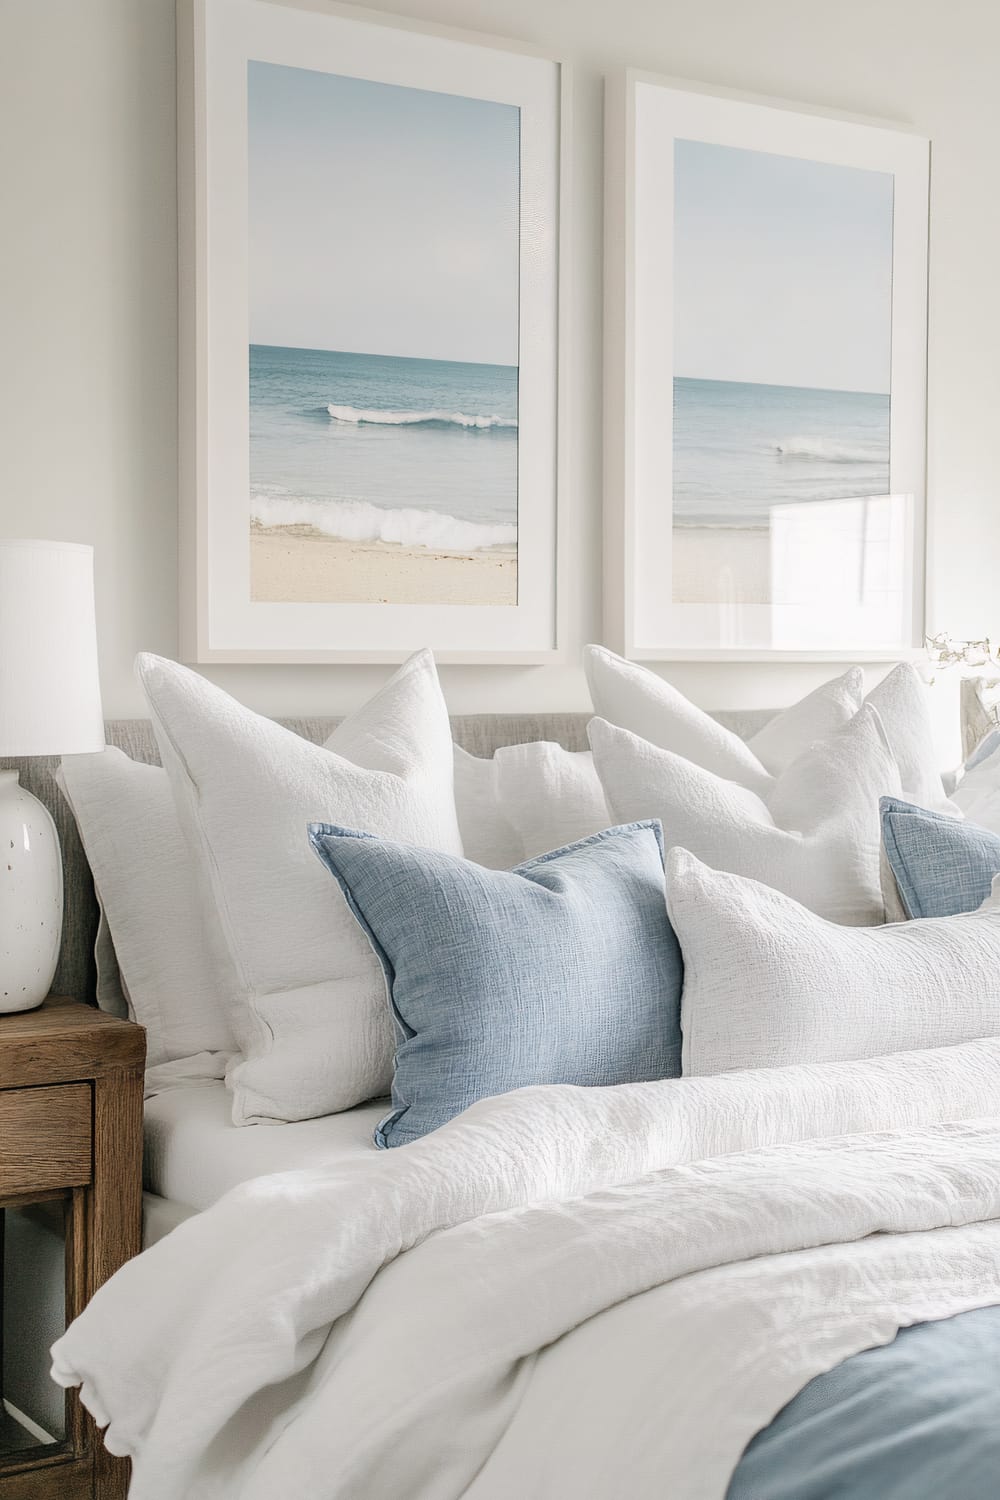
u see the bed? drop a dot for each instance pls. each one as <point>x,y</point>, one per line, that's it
<point>781,1285</point>
<point>194,1154</point>
<point>477,1316</point>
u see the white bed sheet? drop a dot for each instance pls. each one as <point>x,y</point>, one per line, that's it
<point>194,1153</point>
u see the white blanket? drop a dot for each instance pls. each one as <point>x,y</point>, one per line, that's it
<point>565,1291</point>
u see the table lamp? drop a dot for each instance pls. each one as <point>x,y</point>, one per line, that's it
<point>50,704</point>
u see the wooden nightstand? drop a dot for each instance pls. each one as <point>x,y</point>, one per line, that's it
<point>71,1163</point>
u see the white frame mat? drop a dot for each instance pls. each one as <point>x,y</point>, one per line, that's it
<point>219,623</point>
<point>644,116</point>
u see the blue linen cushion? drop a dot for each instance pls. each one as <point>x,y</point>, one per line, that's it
<point>562,970</point>
<point>941,866</point>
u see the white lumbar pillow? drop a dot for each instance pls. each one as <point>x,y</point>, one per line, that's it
<point>149,896</point>
<point>302,989</point>
<point>634,698</point>
<point>816,836</point>
<point>526,800</point>
<point>767,983</point>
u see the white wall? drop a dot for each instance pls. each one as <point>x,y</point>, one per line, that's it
<point>88,306</point>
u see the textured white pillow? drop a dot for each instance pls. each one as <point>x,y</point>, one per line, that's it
<point>904,708</point>
<point>143,873</point>
<point>768,983</point>
<point>488,836</point>
<point>302,989</point>
<point>637,699</point>
<point>526,800</point>
<point>552,796</point>
<point>816,837</point>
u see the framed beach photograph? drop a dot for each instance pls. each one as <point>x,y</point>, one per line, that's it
<point>371,434</point>
<point>766,329</point>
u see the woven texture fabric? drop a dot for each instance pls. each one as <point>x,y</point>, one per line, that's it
<point>479,734</point>
<point>902,704</point>
<point>563,970</point>
<point>768,984</point>
<point>155,915</point>
<point>941,866</point>
<point>636,698</point>
<point>298,984</point>
<point>815,836</point>
<point>525,800</point>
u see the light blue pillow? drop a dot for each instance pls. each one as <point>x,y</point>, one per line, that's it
<point>563,970</point>
<point>941,865</point>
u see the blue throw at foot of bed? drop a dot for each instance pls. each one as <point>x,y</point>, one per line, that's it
<point>916,1420</point>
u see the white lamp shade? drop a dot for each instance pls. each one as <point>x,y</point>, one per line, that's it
<point>50,695</point>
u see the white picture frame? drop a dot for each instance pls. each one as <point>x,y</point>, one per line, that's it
<point>220,622</point>
<point>645,115</point>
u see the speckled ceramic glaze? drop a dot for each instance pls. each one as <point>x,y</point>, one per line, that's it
<point>31,897</point>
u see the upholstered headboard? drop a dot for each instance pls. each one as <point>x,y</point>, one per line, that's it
<point>480,734</point>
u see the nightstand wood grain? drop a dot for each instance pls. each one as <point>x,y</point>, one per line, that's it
<point>46,1138</point>
<point>71,1128</point>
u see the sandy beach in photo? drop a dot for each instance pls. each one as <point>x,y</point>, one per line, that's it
<point>299,565</point>
<point>722,565</point>
<point>383,380</point>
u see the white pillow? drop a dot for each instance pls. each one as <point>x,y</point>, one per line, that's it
<point>111,996</point>
<point>637,699</point>
<point>903,705</point>
<point>552,796</point>
<point>302,989</point>
<point>526,800</point>
<point>977,794</point>
<point>143,873</point>
<point>816,837</point>
<point>767,983</point>
<point>488,836</point>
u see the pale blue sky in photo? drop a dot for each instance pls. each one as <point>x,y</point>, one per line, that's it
<point>783,270</point>
<point>382,220</point>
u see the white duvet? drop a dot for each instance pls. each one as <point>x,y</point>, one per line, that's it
<point>563,1292</point>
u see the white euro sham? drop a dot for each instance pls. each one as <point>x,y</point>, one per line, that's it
<point>301,987</point>
<point>816,837</point>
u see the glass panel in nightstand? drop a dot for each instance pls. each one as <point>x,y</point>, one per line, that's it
<point>33,1274</point>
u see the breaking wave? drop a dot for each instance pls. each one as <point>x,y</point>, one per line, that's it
<point>827,452</point>
<point>357,417</point>
<point>357,521</point>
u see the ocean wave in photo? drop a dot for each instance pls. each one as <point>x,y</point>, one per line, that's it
<point>827,451</point>
<point>358,418</point>
<point>740,449</point>
<point>358,521</point>
<point>398,435</point>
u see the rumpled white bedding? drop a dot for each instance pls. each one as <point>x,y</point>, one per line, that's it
<point>564,1291</point>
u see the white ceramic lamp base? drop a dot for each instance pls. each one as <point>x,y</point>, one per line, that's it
<point>31,897</point>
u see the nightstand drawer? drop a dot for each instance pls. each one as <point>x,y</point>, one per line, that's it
<point>45,1138</point>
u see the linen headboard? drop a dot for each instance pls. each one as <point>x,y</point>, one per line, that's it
<point>480,734</point>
